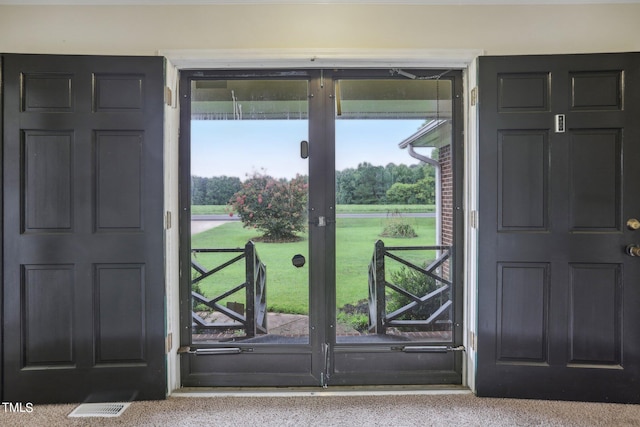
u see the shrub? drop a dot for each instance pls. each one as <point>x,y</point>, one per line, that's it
<point>418,284</point>
<point>275,207</point>
<point>357,321</point>
<point>196,305</point>
<point>397,226</point>
<point>355,316</point>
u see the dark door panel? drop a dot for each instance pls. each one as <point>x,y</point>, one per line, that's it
<point>557,294</point>
<point>83,229</point>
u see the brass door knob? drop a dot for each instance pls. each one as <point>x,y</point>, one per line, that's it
<point>633,250</point>
<point>633,224</point>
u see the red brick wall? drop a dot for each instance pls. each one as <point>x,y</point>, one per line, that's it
<point>446,177</point>
<point>447,195</point>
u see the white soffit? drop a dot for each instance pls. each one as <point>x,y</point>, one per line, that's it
<point>319,58</point>
<point>240,2</point>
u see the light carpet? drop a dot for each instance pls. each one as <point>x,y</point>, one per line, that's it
<point>342,410</point>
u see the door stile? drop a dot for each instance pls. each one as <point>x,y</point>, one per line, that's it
<point>184,213</point>
<point>321,222</point>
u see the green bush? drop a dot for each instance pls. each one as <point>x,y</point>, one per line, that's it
<point>420,192</point>
<point>198,306</point>
<point>397,226</point>
<point>418,284</point>
<point>355,315</point>
<point>275,207</point>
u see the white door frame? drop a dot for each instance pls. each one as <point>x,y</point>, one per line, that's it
<point>462,59</point>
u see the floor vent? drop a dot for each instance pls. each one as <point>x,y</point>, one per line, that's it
<point>114,409</point>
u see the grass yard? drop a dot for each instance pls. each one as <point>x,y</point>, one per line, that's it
<point>287,286</point>
<point>223,209</point>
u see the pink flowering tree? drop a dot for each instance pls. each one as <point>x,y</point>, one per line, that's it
<point>275,207</point>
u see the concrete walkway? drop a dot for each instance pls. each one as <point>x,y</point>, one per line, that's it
<point>200,226</point>
<point>289,325</point>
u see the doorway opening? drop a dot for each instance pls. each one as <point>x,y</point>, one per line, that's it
<point>322,213</point>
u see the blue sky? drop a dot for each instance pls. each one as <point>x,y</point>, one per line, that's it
<point>237,148</point>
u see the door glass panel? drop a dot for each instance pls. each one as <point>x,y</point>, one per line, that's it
<point>394,232</point>
<point>249,191</point>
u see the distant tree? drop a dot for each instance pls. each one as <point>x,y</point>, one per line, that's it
<point>405,175</point>
<point>345,186</point>
<point>213,191</point>
<point>369,185</point>
<point>425,191</point>
<point>400,193</point>
<point>198,190</point>
<point>422,192</point>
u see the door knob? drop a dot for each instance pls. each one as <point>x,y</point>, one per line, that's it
<point>633,250</point>
<point>633,224</point>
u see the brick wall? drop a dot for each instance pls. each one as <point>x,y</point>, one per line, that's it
<point>447,195</point>
<point>447,201</point>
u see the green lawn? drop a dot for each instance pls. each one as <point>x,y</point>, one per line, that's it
<point>287,286</point>
<point>223,209</point>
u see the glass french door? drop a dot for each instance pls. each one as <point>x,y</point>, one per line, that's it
<point>318,218</point>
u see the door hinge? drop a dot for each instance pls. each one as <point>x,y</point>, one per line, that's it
<point>472,340</point>
<point>473,219</point>
<point>168,96</point>
<point>167,220</point>
<point>169,343</point>
<point>474,96</point>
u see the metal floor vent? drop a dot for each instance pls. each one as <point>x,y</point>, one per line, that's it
<point>112,409</point>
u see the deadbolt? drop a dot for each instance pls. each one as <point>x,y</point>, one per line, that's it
<point>633,224</point>
<point>633,250</point>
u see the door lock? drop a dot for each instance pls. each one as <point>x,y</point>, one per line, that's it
<point>633,250</point>
<point>633,224</point>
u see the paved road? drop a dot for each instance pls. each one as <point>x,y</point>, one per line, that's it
<point>226,217</point>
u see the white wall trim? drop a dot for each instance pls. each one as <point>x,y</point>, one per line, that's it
<point>320,58</point>
<point>172,236</point>
<point>471,178</point>
<point>463,59</point>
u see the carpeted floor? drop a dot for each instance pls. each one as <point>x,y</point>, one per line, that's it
<point>324,409</point>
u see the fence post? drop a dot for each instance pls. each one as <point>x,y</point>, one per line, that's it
<point>250,289</point>
<point>380,282</point>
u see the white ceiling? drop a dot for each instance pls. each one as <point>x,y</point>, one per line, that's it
<point>213,2</point>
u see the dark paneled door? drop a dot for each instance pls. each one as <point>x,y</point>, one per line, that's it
<point>83,229</point>
<point>559,300</point>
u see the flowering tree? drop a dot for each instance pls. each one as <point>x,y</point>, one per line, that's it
<point>275,207</point>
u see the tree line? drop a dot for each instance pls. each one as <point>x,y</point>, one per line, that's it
<point>366,185</point>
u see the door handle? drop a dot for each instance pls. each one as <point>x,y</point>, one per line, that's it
<point>633,224</point>
<point>633,250</point>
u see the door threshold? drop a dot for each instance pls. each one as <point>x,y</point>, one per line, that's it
<point>318,391</point>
